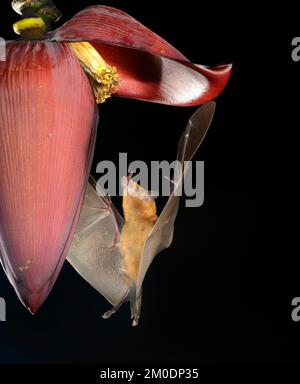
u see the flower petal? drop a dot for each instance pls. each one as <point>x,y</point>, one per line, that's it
<point>47,133</point>
<point>162,80</point>
<point>149,67</point>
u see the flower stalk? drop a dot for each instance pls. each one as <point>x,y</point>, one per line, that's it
<point>37,17</point>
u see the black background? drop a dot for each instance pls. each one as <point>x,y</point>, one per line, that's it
<point>222,292</point>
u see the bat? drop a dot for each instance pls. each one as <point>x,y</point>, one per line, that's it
<point>114,255</point>
<point>140,215</point>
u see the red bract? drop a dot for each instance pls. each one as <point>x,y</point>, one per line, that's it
<point>149,67</point>
<point>48,120</point>
<point>47,132</point>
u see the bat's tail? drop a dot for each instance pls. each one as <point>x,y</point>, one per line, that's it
<point>135,305</point>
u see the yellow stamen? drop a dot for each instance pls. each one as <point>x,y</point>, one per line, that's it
<point>104,78</point>
<point>32,27</point>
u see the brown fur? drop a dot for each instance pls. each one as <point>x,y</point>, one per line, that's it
<point>140,217</point>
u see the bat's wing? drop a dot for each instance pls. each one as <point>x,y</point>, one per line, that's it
<point>94,252</point>
<point>162,234</point>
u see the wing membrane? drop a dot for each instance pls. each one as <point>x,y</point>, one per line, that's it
<point>94,252</point>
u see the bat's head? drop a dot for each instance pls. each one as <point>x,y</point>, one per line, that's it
<point>137,201</point>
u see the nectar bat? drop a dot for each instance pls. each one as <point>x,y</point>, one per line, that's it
<point>103,250</point>
<point>140,217</point>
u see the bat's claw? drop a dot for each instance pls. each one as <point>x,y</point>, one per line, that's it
<point>108,314</point>
<point>113,310</point>
<point>135,322</point>
<point>136,319</point>
<point>135,306</point>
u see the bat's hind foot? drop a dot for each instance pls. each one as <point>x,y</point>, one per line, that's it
<point>135,306</point>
